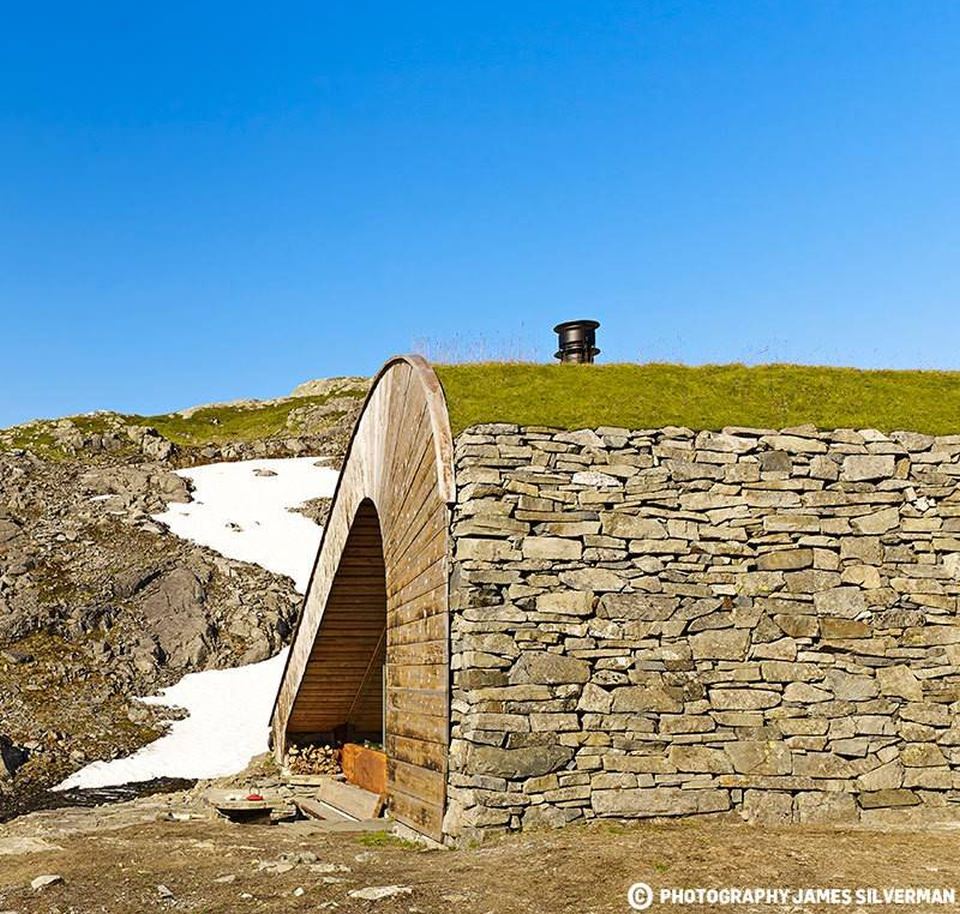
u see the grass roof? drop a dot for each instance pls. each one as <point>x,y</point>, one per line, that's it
<point>700,397</point>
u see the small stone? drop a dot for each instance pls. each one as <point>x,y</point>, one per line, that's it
<point>850,687</point>
<point>629,526</point>
<point>594,480</point>
<point>599,580</point>
<point>767,807</point>
<point>913,441</point>
<point>379,892</point>
<point>816,806</point>
<point>700,759</point>
<point>297,857</point>
<point>866,576</point>
<point>793,444</point>
<point>922,755</point>
<point>822,467</point>
<point>805,694</point>
<point>43,882</point>
<point>566,602</point>
<point>554,548</point>
<point>775,462</point>
<point>595,699</point>
<point>788,671</point>
<point>743,699</point>
<point>275,867</point>
<point>880,522</point>
<point>164,892</point>
<point>549,669</point>
<point>785,560</point>
<point>899,681</point>
<point>843,629</point>
<point>720,644</point>
<point>877,799</point>
<point>862,467</point>
<point>759,757</point>
<point>840,601</point>
<point>865,548</point>
<point>886,777</point>
<point>645,698</point>
<point>530,761</point>
<point>658,801</point>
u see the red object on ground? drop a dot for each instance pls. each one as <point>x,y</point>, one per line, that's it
<point>254,797</point>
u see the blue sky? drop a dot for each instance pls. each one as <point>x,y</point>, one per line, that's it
<point>205,201</point>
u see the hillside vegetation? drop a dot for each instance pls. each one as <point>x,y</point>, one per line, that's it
<point>318,408</point>
<point>701,397</point>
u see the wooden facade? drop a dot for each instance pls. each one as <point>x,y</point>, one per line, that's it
<point>377,603</point>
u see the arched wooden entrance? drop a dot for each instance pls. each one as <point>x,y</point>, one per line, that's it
<point>379,589</point>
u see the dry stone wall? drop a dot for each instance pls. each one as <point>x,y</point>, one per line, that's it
<point>666,623</point>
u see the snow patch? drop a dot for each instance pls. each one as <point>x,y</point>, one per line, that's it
<point>242,511</point>
<point>227,726</point>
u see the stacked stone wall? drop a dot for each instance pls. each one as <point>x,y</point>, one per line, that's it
<point>663,622</point>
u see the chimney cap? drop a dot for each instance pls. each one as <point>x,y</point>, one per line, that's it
<point>570,325</point>
<point>578,341</point>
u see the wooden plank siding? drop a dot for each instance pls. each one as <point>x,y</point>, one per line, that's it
<point>379,590</point>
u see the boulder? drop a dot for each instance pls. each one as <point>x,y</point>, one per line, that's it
<point>12,757</point>
<point>175,614</point>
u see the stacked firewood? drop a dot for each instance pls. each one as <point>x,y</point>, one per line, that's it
<point>313,759</point>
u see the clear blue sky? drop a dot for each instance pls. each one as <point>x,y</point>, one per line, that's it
<point>201,201</point>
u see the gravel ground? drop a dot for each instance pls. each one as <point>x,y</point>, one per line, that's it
<point>139,859</point>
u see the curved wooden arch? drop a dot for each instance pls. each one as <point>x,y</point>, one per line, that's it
<point>379,590</point>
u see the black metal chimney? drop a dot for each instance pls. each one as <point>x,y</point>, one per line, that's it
<point>577,341</point>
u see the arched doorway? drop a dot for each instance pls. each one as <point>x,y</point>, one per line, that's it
<point>384,556</point>
<point>341,693</point>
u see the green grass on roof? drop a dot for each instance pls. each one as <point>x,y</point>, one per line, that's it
<point>702,397</point>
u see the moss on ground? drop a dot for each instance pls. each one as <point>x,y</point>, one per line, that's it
<point>701,397</point>
<point>386,839</point>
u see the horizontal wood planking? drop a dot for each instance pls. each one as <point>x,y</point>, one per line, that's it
<point>400,460</point>
<point>418,752</point>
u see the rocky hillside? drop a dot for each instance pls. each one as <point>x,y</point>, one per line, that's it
<point>99,603</point>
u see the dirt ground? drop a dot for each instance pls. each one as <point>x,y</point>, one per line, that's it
<point>209,865</point>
